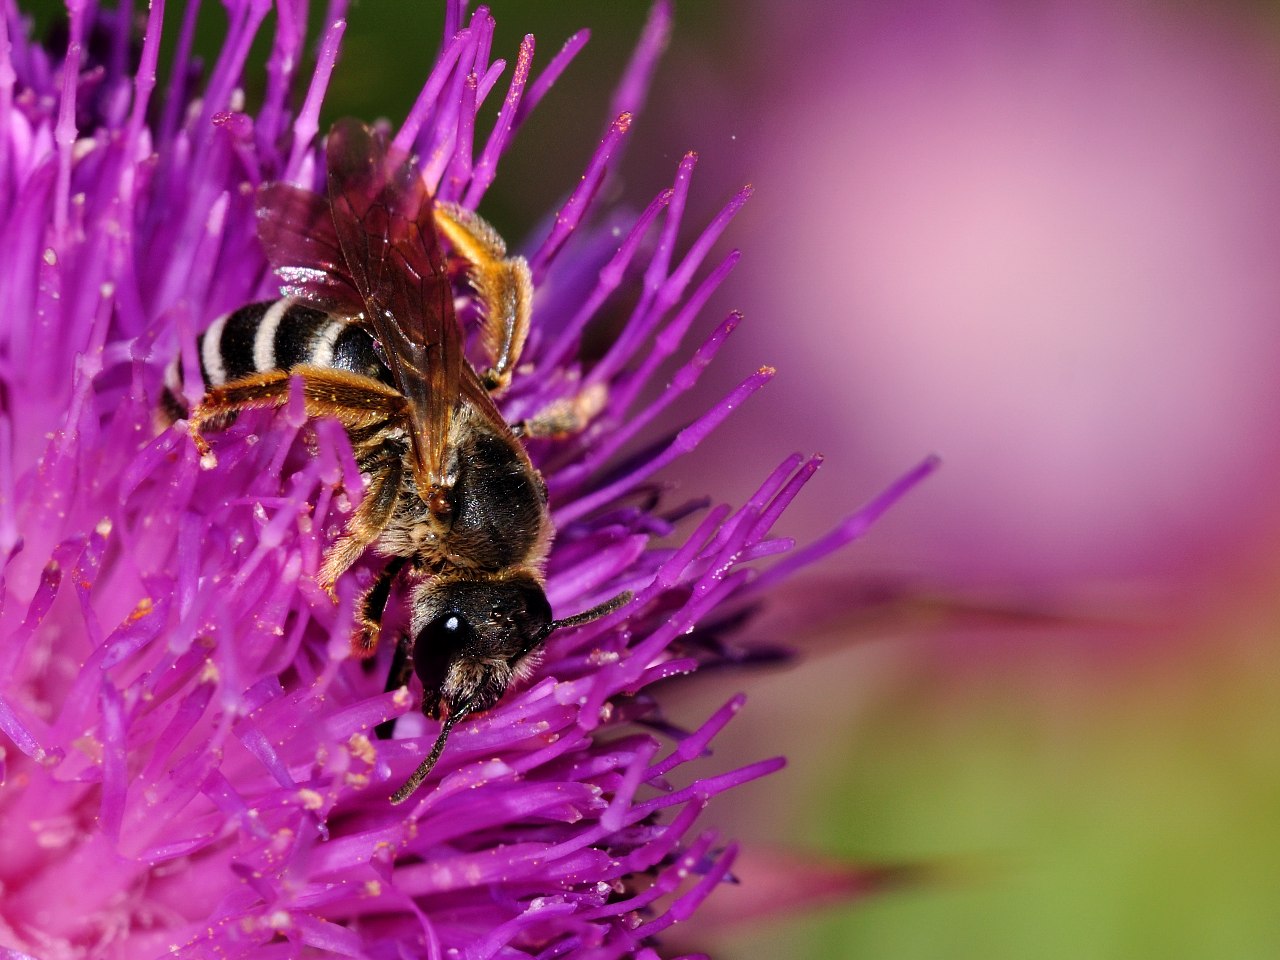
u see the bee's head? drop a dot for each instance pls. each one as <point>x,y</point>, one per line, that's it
<point>471,638</point>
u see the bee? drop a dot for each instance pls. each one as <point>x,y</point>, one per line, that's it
<point>367,323</point>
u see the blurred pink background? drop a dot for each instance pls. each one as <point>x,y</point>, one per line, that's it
<point>1038,239</point>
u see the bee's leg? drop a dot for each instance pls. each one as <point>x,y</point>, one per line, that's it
<point>362,406</point>
<point>401,670</point>
<point>270,389</point>
<point>382,490</point>
<point>372,605</point>
<point>567,416</point>
<point>502,283</point>
<point>354,400</point>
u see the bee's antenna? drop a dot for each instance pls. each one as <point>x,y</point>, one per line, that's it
<point>595,613</point>
<point>424,768</point>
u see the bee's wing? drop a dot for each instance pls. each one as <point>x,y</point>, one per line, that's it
<point>385,228</point>
<point>296,230</point>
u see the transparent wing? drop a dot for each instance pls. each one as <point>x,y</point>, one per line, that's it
<point>297,233</point>
<point>383,223</point>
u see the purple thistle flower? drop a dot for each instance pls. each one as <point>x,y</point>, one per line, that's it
<point>193,770</point>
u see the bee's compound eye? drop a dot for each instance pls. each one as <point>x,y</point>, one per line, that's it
<point>449,630</point>
<point>438,644</point>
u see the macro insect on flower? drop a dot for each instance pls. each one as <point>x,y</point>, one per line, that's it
<point>190,766</point>
<point>368,327</point>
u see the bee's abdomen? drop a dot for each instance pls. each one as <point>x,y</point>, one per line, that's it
<point>275,335</point>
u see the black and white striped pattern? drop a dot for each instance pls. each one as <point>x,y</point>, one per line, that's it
<point>275,335</point>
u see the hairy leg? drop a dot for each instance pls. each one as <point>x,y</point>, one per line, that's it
<point>502,283</point>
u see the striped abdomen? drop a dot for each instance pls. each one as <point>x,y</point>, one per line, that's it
<point>275,335</point>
